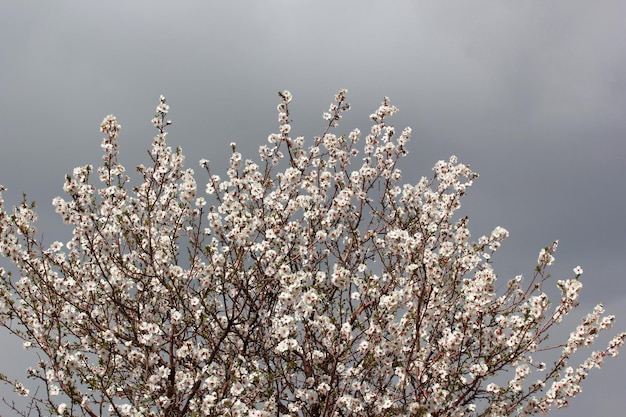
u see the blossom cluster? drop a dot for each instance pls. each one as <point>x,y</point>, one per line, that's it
<point>311,282</point>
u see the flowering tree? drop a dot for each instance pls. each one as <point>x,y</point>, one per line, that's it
<point>309,283</point>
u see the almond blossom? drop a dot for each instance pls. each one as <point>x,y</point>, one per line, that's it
<point>309,282</point>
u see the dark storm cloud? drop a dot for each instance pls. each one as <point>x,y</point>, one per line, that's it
<point>531,94</point>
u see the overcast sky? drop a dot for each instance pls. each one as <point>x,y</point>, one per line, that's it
<point>531,94</point>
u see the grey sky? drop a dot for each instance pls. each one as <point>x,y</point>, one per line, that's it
<point>531,94</point>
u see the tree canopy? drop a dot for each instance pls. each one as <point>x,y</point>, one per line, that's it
<point>310,282</point>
